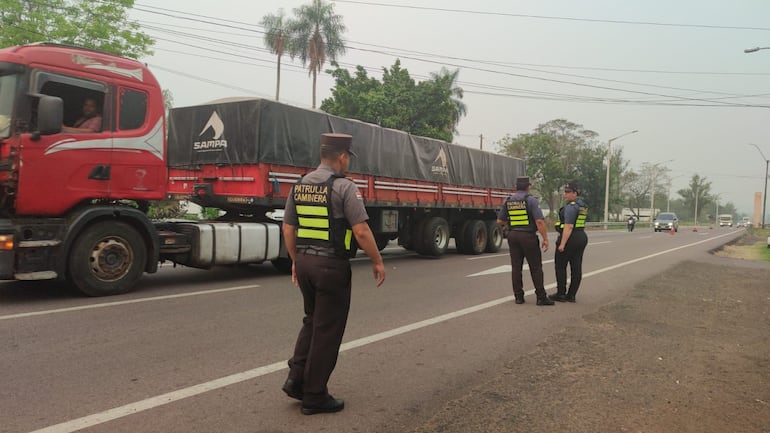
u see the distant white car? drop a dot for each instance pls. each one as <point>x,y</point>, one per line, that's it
<point>745,222</point>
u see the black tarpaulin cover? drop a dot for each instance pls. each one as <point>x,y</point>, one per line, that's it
<point>248,131</point>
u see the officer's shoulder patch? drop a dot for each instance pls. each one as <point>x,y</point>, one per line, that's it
<point>358,195</point>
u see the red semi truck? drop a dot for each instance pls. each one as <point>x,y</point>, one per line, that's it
<point>73,205</point>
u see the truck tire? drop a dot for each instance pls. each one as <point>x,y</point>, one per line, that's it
<point>459,237</point>
<point>475,237</point>
<point>107,259</point>
<point>435,237</point>
<point>494,236</point>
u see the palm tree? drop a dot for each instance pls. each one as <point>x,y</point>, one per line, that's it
<point>448,80</point>
<point>277,37</point>
<point>317,34</point>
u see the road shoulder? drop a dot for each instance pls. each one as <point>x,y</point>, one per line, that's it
<point>687,351</point>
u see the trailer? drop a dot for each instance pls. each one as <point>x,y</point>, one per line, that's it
<point>74,205</point>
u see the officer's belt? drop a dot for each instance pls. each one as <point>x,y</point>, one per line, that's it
<point>523,230</point>
<point>317,252</point>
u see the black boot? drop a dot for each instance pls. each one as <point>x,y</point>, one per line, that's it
<point>570,295</point>
<point>519,300</point>
<point>558,297</point>
<point>543,300</point>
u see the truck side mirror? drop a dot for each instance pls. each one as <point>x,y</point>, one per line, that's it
<point>50,114</point>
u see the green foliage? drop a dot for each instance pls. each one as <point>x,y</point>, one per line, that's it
<point>428,108</point>
<point>558,152</point>
<point>697,192</point>
<point>102,25</point>
<point>166,209</point>
<point>316,34</point>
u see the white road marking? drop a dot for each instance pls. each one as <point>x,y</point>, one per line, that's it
<point>488,256</point>
<point>501,269</point>
<point>132,301</point>
<point>599,243</point>
<point>170,397</point>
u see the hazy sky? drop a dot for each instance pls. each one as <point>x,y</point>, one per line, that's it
<point>522,63</point>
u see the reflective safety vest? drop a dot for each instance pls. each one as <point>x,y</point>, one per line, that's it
<point>317,225</point>
<point>580,223</point>
<point>518,214</point>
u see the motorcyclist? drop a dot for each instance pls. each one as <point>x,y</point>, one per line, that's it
<point>631,222</point>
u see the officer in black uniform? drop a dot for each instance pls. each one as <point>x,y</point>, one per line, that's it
<point>571,243</point>
<point>324,211</point>
<point>522,215</point>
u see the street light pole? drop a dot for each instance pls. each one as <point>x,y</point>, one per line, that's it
<point>764,197</point>
<point>607,177</point>
<point>668,194</point>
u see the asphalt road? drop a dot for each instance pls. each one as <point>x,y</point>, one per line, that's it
<point>205,351</point>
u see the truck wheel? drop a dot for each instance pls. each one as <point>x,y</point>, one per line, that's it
<point>282,264</point>
<point>435,237</point>
<point>494,236</point>
<point>475,237</point>
<point>459,237</point>
<point>107,259</point>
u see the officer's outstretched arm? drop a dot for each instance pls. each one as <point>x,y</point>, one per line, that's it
<point>366,241</point>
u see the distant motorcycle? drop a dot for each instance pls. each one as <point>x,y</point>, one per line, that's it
<point>631,223</point>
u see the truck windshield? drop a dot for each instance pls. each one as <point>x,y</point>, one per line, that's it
<point>7,96</point>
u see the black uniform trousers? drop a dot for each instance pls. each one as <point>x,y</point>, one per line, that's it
<point>525,244</point>
<point>325,286</point>
<point>572,255</point>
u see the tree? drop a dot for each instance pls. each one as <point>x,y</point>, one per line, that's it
<point>448,81</point>
<point>277,37</point>
<point>697,192</point>
<point>557,152</point>
<point>425,108</point>
<point>102,25</point>
<point>648,181</point>
<point>317,35</point>
<point>353,95</point>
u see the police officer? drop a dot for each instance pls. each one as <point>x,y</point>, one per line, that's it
<point>522,215</point>
<point>571,244</point>
<point>323,213</point>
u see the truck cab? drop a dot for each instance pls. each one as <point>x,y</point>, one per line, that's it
<point>725,220</point>
<point>43,88</point>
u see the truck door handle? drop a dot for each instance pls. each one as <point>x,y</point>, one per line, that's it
<point>100,172</point>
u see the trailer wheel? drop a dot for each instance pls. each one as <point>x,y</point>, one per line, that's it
<point>107,259</point>
<point>459,238</point>
<point>494,236</point>
<point>435,237</point>
<point>475,237</point>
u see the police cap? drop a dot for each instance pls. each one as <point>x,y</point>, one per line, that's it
<point>571,186</point>
<point>338,141</point>
<point>522,182</point>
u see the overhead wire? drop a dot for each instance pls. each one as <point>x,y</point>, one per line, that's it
<point>709,101</point>
<point>546,17</point>
<point>700,101</point>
